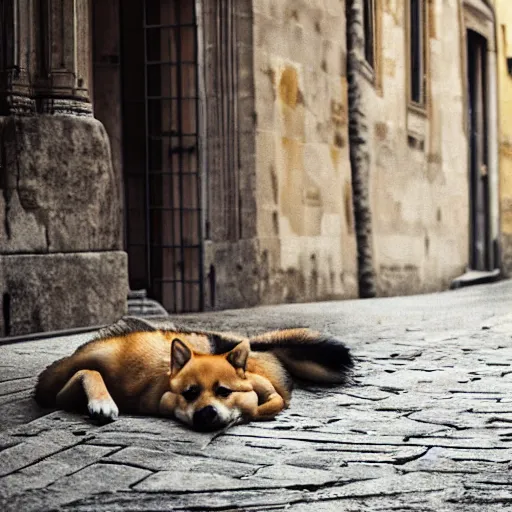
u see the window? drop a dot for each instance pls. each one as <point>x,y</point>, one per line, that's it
<point>369,31</point>
<point>417,51</point>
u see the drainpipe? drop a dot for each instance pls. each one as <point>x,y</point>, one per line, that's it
<point>359,155</point>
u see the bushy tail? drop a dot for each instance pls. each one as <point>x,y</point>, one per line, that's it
<point>307,354</point>
<point>52,380</point>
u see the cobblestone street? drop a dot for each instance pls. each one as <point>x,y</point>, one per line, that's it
<point>425,426</point>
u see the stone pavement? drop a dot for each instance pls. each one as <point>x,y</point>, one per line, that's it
<point>425,426</point>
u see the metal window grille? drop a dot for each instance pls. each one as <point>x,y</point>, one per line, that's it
<point>163,204</point>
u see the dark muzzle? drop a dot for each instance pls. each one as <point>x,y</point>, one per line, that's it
<point>206,419</point>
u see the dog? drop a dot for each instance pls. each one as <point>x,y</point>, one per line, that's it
<point>207,380</point>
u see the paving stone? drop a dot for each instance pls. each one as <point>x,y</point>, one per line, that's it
<point>8,387</point>
<point>399,484</point>
<point>329,438</point>
<point>464,440</point>
<point>34,449</point>
<point>51,469</point>
<point>454,418</point>
<point>381,423</point>
<point>489,477</point>
<point>367,393</point>
<point>19,410</point>
<point>270,499</point>
<point>500,455</point>
<point>159,460</point>
<point>182,481</point>
<point>409,502</point>
<point>437,460</point>
<point>95,479</point>
<point>498,498</point>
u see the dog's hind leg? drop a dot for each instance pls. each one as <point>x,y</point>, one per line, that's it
<point>99,402</point>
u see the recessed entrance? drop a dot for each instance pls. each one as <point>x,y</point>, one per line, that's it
<point>480,237</point>
<point>158,144</point>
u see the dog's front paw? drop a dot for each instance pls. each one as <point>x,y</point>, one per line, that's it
<point>103,409</point>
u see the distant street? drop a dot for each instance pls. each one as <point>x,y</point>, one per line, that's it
<point>425,426</point>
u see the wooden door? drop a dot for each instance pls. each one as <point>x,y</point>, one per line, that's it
<point>480,249</point>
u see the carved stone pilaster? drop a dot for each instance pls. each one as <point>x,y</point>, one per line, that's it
<point>64,106</point>
<point>17,57</point>
<point>64,35</point>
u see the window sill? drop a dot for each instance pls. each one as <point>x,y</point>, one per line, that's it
<point>418,109</point>
<point>416,127</point>
<point>367,72</point>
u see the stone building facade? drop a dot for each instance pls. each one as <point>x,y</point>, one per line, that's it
<point>305,228</point>
<point>429,102</point>
<point>504,54</point>
<point>229,153</point>
<point>62,262</point>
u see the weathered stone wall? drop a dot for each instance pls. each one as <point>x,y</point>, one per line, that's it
<point>305,223</point>
<point>231,272</point>
<point>61,259</point>
<point>418,160</point>
<point>47,292</point>
<point>504,39</point>
<point>61,194</point>
<point>62,263</point>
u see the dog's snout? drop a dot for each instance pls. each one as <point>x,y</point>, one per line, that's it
<point>206,418</point>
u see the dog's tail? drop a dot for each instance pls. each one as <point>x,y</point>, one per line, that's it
<point>52,380</point>
<point>307,354</point>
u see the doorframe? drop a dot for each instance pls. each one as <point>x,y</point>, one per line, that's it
<point>478,16</point>
<point>480,258</point>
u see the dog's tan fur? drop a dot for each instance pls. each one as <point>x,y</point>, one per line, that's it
<point>159,372</point>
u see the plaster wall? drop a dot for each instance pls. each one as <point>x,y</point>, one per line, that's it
<point>418,171</point>
<point>305,224</point>
<point>504,40</point>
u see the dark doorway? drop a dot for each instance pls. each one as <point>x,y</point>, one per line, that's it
<point>160,151</point>
<point>480,239</point>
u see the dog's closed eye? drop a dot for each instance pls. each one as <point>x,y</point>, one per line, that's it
<point>223,392</point>
<point>191,393</point>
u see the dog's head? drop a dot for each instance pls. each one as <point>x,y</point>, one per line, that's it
<point>212,391</point>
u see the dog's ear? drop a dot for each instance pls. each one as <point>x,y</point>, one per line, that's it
<point>238,357</point>
<point>180,356</point>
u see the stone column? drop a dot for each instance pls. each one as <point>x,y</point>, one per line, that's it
<point>64,31</point>
<point>17,56</point>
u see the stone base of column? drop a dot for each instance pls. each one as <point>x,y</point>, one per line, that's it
<point>18,105</point>
<point>48,292</point>
<point>72,107</point>
<point>61,193</point>
<point>61,262</point>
